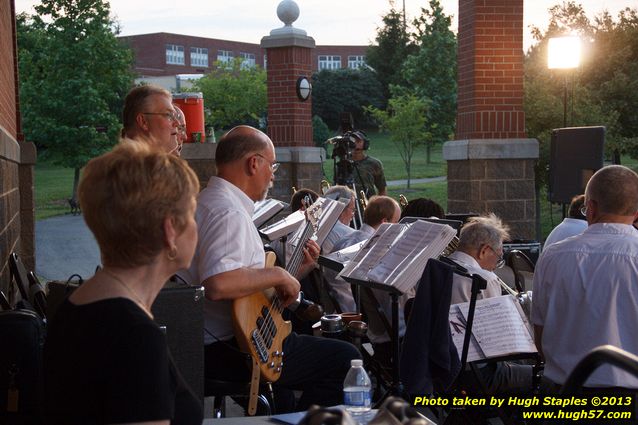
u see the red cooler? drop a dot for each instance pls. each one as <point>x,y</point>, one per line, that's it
<point>192,104</point>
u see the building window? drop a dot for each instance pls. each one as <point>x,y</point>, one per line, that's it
<point>329,62</point>
<point>247,60</point>
<point>224,56</point>
<point>355,62</point>
<point>174,54</point>
<point>199,56</point>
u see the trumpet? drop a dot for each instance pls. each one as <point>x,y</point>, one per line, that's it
<point>403,201</point>
<point>363,200</point>
<point>325,185</point>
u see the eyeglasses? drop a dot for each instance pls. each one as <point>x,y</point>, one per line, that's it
<point>501,261</point>
<point>274,166</point>
<point>171,116</point>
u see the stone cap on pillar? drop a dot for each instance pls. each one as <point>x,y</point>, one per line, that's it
<point>456,150</point>
<point>288,12</point>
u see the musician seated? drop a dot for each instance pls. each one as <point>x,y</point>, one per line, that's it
<point>105,359</point>
<point>423,207</point>
<point>480,251</point>
<point>380,209</point>
<point>229,262</point>
<point>574,224</point>
<point>342,227</point>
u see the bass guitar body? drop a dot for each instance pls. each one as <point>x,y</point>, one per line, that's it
<point>260,330</point>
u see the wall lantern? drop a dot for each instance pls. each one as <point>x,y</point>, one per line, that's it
<point>304,88</point>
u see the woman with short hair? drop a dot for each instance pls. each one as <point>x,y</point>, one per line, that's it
<point>106,360</point>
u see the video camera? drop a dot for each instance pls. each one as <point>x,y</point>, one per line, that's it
<point>343,146</point>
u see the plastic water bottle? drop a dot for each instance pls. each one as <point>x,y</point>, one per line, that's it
<point>357,388</point>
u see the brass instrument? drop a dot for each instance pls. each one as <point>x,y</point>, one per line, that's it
<point>325,185</point>
<point>403,201</point>
<point>363,200</point>
<point>451,247</point>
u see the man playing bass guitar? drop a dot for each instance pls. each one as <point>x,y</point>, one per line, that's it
<point>229,263</point>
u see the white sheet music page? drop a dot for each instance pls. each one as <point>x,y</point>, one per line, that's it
<point>500,326</point>
<point>330,212</point>
<point>372,251</point>
<point>284,226</point>
<point>346,254</point>
<point>457,329</point>
<point>402,266</point>
<point>265,210</point>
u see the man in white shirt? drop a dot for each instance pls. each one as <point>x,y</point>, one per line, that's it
<point>586,287</point>
<point>574,224</point>
<point>229,263</point>
<point>480,251</point>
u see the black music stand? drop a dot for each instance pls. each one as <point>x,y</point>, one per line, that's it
<point>396,388</point>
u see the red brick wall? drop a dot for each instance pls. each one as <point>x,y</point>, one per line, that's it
<point>9,154</point>
<point>490,82</point>
<point>289,119</point>
<point>150,52</point>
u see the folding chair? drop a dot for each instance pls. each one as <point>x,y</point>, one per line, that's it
<point>522,267</point>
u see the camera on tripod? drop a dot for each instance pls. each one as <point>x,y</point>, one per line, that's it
<point>343,146</point>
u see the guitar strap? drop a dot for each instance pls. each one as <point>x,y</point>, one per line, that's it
<point>254,389</point>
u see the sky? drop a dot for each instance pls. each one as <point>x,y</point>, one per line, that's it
<point>340,22</point>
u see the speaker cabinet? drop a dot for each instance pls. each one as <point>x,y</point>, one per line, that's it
<point>179,310</point>
<point>575,155</point>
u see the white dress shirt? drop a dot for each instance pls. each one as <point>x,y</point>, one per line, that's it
<point>567,228</point>
<point>586,295</point>
<point>462,286</point>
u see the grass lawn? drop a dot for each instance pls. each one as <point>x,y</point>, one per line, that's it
<point>53,186</point>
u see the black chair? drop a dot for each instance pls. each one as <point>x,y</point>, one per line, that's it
<point>4,302</point>
<point>604,354</point>
<point>520,263</point>
<point>19,275</point>
<point>37,295</point>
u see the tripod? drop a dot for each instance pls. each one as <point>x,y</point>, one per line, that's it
<point>343,175</point>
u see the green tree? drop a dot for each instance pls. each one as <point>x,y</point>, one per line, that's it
<point>320,131</point>
<point>345,90</point>
<point>392,47</point>
<point>430,73</point>
<point>406,121</point>
<point>234,94</point>
<point>74,73</point>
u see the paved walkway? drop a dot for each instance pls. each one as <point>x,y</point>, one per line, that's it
<point>64,245</point>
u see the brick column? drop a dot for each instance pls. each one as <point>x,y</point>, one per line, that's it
<point>289,56</point>
<point>491,163</point>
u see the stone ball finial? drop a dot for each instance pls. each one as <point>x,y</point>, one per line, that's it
<point>288,12</point>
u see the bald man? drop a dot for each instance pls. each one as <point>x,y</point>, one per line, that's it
<point>229,263</point>
<point>586,287</point>
<point>149,117</point>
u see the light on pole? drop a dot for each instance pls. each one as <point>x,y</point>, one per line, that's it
<point>563,53</point>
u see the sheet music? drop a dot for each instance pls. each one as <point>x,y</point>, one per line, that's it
<point>266,209</point>
<point>330,212</point>
<point>403,264</point>
<point>346,254</point>
<point>373,250</point>
<point>457,329</point>
<point>500,327</point>
<point>284,226</point>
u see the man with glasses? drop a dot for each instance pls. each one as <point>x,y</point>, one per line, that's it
<point>229,263</point>
<point>586,287</point>
<point>149,117</point>
<point>480,251</point>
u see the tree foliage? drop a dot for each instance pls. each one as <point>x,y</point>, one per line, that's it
<point>602,91</point>
<point>345,90</point>
<point>74,74</point>
<point>234,94</point>
<point>392,47</point>
<point>406,121</point>
<point>430,73</point>
<point>320,131</point>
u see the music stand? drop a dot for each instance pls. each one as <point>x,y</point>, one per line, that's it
<point>396,388</point>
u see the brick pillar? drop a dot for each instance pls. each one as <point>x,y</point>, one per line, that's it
<point>289,56</point>
<point>491,163</point>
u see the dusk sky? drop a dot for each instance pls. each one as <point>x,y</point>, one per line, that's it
<point>327,21</point>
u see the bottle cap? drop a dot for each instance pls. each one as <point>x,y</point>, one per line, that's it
<point>356,362</point>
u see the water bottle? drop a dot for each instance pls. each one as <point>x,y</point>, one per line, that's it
<point>357,388</point>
